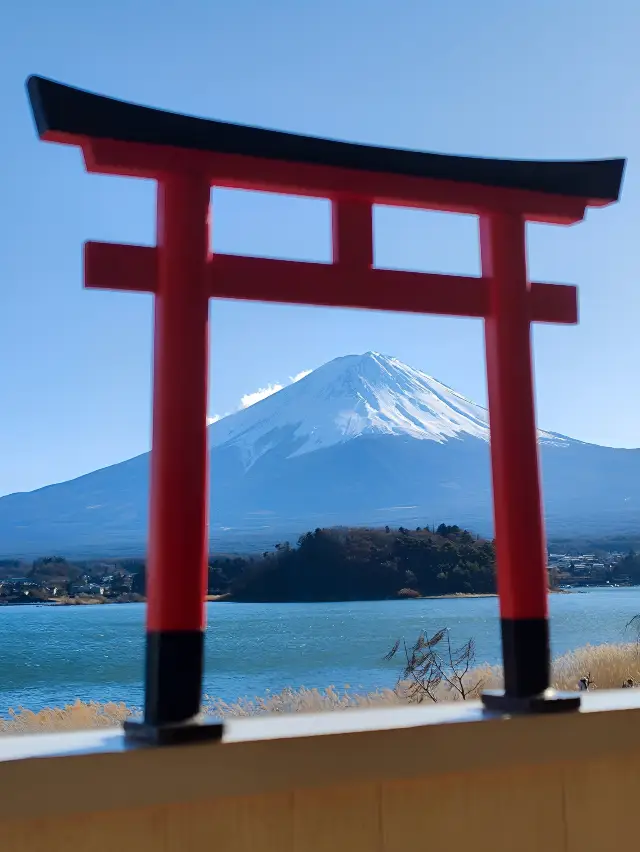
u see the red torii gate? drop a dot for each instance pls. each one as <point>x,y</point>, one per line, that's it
<point>187,156</point>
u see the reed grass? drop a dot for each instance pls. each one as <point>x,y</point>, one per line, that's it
<point>608,667</point>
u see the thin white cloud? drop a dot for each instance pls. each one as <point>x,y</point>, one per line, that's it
<point>262,393</point>
<point>299,375</point>
<point>257,396</point>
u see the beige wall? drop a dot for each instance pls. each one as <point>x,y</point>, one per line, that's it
<point>532,784</point>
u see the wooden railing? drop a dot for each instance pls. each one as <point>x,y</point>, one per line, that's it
<point>446,777</point>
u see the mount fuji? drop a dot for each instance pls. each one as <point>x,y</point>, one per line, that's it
<point>364,439</point>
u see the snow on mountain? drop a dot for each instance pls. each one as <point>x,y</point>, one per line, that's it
<point>351,396</point>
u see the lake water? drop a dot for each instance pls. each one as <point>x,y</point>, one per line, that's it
<point>54,654</point>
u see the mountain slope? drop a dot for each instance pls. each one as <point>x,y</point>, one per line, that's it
<point>362,439</point>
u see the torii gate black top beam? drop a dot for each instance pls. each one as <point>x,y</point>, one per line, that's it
<point>62,109</point>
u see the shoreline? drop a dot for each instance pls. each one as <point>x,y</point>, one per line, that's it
<point>78,601</point>
<point>227,598</point>
<point>450,596</point>
<point>455,595</point>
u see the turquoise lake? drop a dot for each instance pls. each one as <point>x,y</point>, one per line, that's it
<point>54,654</point>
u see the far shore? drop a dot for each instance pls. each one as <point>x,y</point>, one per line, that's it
<point>480,595</point>
<point>452,596</point>
<point>79,600</point>
<point>88,600</point>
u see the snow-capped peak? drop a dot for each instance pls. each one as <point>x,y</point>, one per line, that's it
<point>351,396</point>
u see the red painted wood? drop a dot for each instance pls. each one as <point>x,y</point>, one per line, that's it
<point>109,266</point>
<point>352,234</point>
<point>557,303</point>
<point>519,526</point>
<point>115,266</point>
<point>104,156</point>
<point>178,525</point>
<point>334,285</point>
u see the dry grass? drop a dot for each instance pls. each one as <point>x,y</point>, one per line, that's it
<point>301,701</point>
<point>71,717</point>
<point>608,666</point>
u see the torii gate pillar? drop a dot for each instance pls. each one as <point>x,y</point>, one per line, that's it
<point>187,156</point>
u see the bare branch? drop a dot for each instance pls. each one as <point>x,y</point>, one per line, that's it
<point>393,651</point>
<point>427,668</point>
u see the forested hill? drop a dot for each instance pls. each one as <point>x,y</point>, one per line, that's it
<point>336,564</point>
<point>362,564</point>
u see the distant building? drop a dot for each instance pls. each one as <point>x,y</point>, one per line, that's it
<point>88,589</point>
<point>18,586</point>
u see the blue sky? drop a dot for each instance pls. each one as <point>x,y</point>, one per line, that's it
<point>545,79</point>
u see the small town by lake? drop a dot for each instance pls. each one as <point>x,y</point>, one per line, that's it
<point>53,655</point>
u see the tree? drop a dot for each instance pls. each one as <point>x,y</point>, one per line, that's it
<point>139,582</point>
<point>362,564</point>
<point>54,571</point>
